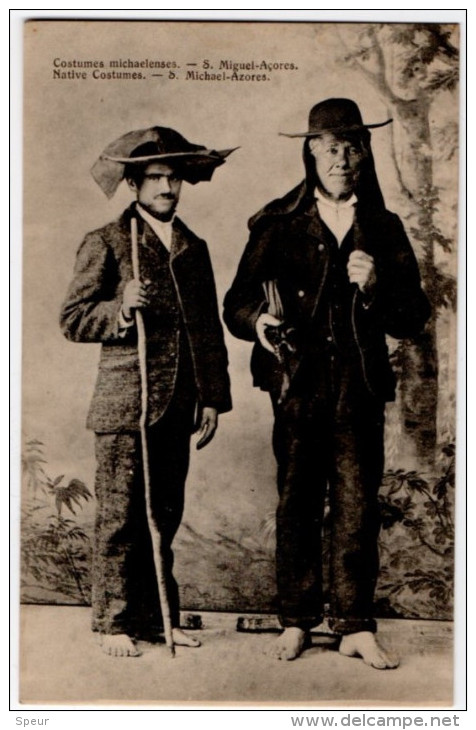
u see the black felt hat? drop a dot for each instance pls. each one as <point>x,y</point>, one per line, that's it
<point>336,116</point>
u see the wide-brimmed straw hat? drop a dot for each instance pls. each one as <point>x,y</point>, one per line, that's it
<point>194,162</point>
<point>336,116</point>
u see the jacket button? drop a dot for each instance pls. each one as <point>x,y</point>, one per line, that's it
<point>329,338</point>
<point>321,247</point>
<point>300,293</point>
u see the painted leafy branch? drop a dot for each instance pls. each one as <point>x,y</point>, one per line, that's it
<point>420,506</point>
<point>55,550</point>
<point>32,461</point>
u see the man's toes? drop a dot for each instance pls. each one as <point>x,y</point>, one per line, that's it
<point>273,650</point>
<point>381,663</point>
<point>390,661</point>
<point>290,654</point>
<point>119,645</point>
<point>284,653</point>
<point>376,661</point>
<point>380,659</point>
<point>132,651</point>
<point>290,644</point>
<point>281,652</point>
<point>364,645</point>
<point>182,639</point>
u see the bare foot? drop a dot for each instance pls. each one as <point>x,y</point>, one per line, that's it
<point>118,645</point>
<point>289,644</point>
<point>182,639</point>
<point>364,644</point>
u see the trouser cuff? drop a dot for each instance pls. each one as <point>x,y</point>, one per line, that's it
<point>352,625</point>
<point>306,623</point>
<point>104,627</point>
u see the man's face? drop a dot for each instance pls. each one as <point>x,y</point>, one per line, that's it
<point>159,191</point>
<point>338,162</point>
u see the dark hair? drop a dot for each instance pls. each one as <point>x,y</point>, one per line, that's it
<point>135,171</point>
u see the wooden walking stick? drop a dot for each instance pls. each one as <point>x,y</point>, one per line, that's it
<point>155,535</point>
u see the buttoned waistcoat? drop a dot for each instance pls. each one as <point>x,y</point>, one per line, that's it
<point>183,305</point>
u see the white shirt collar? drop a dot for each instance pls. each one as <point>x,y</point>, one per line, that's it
<point>338,215</point>
<point>162,229</point>
<point>336,204</point>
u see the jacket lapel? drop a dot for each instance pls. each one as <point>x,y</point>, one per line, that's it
<point>319,240</point>
<point>150,240</point>
<point>316,228</point>
<point>179,240</point>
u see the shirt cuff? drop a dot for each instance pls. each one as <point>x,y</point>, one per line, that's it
<point>123,322</point>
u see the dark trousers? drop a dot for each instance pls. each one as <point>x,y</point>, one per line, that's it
<point>124,592</point>
<point>328,439</point>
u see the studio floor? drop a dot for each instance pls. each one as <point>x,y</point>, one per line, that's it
<point>61,663</point>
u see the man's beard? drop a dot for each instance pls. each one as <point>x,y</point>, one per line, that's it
<point>164,217</point>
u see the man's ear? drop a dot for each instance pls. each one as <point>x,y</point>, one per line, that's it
<point>132,184</point>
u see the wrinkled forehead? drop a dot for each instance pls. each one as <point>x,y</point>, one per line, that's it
<point>327,139</point>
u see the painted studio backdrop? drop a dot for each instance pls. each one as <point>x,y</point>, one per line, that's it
<point>226,85</point>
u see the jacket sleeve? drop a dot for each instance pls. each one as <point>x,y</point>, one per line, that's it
<point>90,312</point>
<point>402,305</point>
<point>217,392</point>
<point>246,300</point>
<point>195,283</point>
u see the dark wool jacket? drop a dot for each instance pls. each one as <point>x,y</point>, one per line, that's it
<point>183,299</point>
<point>290,244</point>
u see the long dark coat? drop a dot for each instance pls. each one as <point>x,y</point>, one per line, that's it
<point>182,291</point>
<point>290,244</point>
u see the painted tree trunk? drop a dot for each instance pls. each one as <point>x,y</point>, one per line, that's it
<point>408,66</point>
<point>419,358</point>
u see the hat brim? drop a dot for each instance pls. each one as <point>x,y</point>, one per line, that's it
<point>337,130</point>
<point>205,157</point>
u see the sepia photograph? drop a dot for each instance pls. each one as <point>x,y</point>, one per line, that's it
<point>239,362</point>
